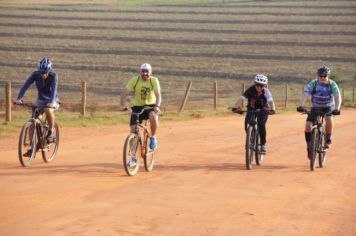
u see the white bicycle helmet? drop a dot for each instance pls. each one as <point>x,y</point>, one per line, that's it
<point>45,65</point>
<point>261,79</point>
<point>146,66</point>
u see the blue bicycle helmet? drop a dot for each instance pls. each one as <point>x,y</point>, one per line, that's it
<point>45,65</point>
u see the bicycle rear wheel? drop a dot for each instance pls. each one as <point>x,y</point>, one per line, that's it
<point>27,143</point>
<point>322,152</point>
<point>250,138</point>
<point>314,146</point>
<point>149,157</point>
<point>50,148</point>
<point>131,154</point>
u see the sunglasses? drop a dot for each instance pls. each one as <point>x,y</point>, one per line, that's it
<point>259,85</point>
<point>144,71</point>
<point>323,76</point>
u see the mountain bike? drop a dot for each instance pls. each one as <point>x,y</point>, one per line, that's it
<point>137,145</point>
<point>252,144</point>
<point>317,143</point>
<point>33,137</point>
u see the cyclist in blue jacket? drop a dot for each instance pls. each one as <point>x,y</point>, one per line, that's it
<point>46,81</point>
<point>326,97</point>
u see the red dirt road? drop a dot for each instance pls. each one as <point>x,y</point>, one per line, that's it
<point>199,185</point>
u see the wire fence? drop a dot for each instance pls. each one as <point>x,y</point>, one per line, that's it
<point>184,96</point>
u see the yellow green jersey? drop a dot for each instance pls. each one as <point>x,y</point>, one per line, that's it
<point>143,90</point>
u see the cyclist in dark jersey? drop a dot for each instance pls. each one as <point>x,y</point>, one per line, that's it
<point>46,81</point>
<point>258,97</point>
<point>325,95</point>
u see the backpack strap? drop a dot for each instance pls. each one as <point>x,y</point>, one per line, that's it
<point>151,82</point>
<point>134,87</point>
<point>314,87</point>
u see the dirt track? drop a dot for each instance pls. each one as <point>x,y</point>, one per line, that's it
<point>199,186</point>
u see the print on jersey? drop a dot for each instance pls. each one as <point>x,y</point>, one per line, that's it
<point>144,92</point>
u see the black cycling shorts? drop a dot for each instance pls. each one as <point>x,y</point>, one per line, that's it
<point>143,116</point>
<point>312,116</point>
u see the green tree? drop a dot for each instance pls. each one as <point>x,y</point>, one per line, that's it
<point>336,78</point>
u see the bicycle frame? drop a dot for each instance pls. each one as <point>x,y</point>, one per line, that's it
<point>41,126</point>
<point>318,135</point>
<point>139,135</point>
<point>319,126</point>
<point>145,132</point>
<point>33,137</point>
<point>253,123</point>
<point>252,145</point>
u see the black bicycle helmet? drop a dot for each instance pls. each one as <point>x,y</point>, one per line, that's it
<point>323,71</point>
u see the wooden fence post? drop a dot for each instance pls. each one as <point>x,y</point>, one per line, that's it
<point>84,97</point>
<point>242,87</point>
<point>343,96</point>
<point>242,92</point>
<point>215,95</point>
<point>8,102</point>
<point>185,98</point>
<point>286,96</point>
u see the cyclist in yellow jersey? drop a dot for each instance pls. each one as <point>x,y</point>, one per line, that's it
<point>147,92</point>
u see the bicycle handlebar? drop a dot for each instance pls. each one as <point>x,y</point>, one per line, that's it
<point>31,105</point>
<point>234,110</point>
<point>129,109</point>
<point>322,113</point>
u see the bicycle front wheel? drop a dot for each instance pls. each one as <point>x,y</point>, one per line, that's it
<point>259,155</point>
<point>131,155</point>
<point>27,143</point>
<point>50,148</point>
<point>149,157</point>
<point>322,152</point>
<point>314,146</point>
<point>250,140</point>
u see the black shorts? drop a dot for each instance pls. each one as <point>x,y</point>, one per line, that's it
<point>314,111</point>
<point>143,116</point>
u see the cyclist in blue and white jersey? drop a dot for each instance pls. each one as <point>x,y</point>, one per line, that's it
<point>326,97</point>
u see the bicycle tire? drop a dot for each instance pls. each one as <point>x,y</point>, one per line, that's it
<point>249,147</point>
<point>322,153</point>
<point>149,157</point>
<point>314,147</point>
<point>27,142</point>
<point>50,150</point>
<point>131,148</point>
<point>258,155</point>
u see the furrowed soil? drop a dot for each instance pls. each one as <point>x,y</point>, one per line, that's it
<point>199,185</point>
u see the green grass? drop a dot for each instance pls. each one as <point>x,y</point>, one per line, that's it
<point>101,118</point>
<point>95,119</point>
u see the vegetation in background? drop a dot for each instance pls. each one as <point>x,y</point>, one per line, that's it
<point>96,119</point>
<point>335,77</point>
<point>168,2</point>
